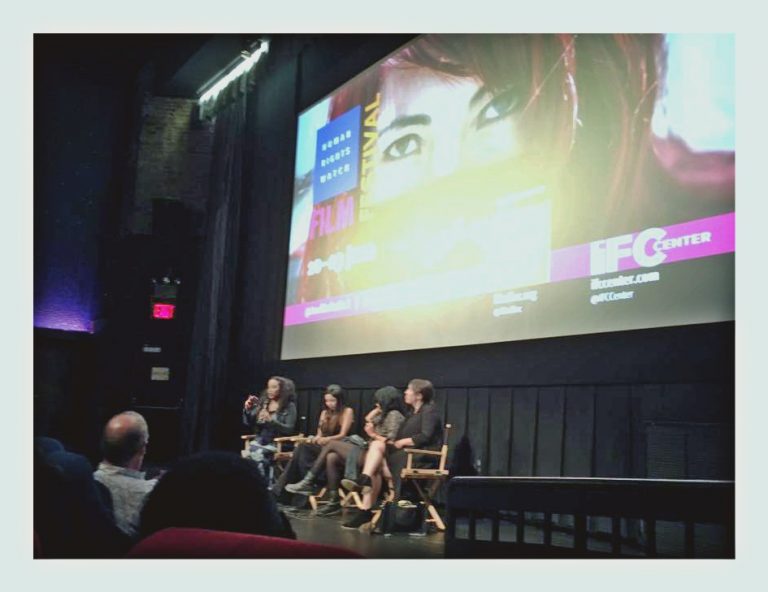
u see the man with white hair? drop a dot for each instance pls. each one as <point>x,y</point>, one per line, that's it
<point>124,445</point>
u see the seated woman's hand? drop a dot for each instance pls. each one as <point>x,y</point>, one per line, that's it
<point>369,429</point>
<point>320,441</point>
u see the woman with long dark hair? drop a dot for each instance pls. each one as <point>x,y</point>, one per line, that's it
<point>334,423</point>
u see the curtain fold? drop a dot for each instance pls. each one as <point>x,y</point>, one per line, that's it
<point>233,93</point>
<point>205,395</point>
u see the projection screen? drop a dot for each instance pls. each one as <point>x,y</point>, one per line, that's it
<point>485,188</point>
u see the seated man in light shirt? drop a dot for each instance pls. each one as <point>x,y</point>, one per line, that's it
<point>124,445</point>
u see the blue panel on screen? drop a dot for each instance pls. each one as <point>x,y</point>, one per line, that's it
<point>337,156</point>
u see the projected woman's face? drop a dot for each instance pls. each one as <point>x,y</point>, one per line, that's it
<point>273,388</point>
<point>432,125</point>
<point>330,402</point>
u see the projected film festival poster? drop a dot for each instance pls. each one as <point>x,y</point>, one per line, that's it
<point>485,188</point>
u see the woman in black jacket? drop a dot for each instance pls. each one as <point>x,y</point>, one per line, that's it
<point>273,413</point>
<point>270,415</point>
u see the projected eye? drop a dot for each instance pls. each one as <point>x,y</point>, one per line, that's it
<point>498,108</point>
<point>408,145</point>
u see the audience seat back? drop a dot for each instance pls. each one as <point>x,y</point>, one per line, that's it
<point>184,543</point>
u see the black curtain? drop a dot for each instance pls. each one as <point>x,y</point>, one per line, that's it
<point>206,390</point>
<point>237,328</point>
<point>249,205</point>
<point>265,223</point>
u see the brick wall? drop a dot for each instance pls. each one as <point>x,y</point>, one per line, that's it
<point>173,162</point>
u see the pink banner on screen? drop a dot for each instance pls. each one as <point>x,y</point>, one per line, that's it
<point>321,310</point>
<point>716,236</point>
<point>570,263</point>
<point>689,240</point>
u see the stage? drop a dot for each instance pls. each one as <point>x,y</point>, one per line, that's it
<point>328,531</point>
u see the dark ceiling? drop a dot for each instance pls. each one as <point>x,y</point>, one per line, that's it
<point>180,64</point>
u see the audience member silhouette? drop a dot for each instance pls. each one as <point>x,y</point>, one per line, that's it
<point>72,514</point>
<point>215,491</point>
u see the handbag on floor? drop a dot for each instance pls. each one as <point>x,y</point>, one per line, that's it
<point>402,516</point>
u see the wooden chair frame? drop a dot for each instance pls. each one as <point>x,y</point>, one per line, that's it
<point>390,497</point>
<point>346,499</point>
<point>435,476</point>
<point>281,457</point>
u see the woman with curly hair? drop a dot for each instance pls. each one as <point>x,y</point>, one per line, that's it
<point>269,415</point>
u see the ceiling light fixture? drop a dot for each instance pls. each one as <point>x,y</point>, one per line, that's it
<point>249,61</point>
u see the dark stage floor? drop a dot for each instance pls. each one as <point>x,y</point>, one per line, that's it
<point>432,546</point>
<point>373,546</point>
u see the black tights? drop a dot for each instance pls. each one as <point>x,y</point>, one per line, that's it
<point>334,455</point>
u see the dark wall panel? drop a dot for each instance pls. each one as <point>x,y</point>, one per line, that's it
<point>524,418</point>
<point>578,440</point>
<point>700,402</point>
<point>302,408</point>
<point>573,431</point>
<point>477,426</point>
<point>456,400</point>
<point>612,442</point>
<point>549,436</point>
<point>66,405</point>
<point>500,428</point>
<point>666,451</point>
<point>353,397</point>
<point>708,449</point>
<point>441,402</point>
<point>315,407</point>
<point>640,394</point>
<point>628,357</point>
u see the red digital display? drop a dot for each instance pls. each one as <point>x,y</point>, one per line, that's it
<point>163,311</point>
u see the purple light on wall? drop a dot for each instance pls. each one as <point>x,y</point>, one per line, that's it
<point>63,313</point>
<point>63,321</point>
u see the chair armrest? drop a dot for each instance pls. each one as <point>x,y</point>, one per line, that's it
<point>248,437</point>
<point>420,451</point>
<point>296,438</point>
